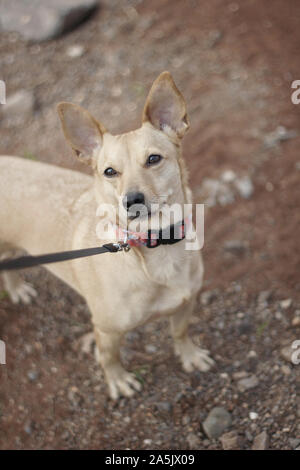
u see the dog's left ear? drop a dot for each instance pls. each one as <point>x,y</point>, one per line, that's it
<point>165,106</point>
<point>83,132</point>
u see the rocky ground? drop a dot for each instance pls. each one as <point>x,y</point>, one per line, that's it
<point>234,62</point>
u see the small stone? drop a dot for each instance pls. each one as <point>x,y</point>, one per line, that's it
<point>261,441</point>
<point>287,352</point>
<point>150,348</point>
<point>244,186</point>
<point>186,420</point>
<point>147,442</point>
<point>278,315</point>
<point>216,422</point>
<point>32,375</point>
<point>294,442</point>
<point>164,406</point>
<point>236,247</point>
<point>231,441</point>
<point>280,134</point>
<point>207,297</point>
<point>193,441</point>
<point>74,51</point>
<point>249,436</point>
<point>285,370</point>
<point>241,374</point>
<point>253,415</point>
<point>74,397</point>
<point>228,176</point>
<point>285,304</point>
<point>28,427</point>
<point>251,354</point>
<point>296,321</point>
<point>264,297</point>
<point>247,383</point>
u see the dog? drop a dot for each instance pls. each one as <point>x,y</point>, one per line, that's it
<point>45,209</point>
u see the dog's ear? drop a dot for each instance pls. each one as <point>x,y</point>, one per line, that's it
<point>165,107</point>
<point>83,132</point>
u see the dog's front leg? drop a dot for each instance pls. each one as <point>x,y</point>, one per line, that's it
<point>119,381</point>
<point>192,357</point>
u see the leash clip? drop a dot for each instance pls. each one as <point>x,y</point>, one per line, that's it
<point>122,246</point>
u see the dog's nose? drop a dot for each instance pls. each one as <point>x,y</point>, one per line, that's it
<point>133,198</point>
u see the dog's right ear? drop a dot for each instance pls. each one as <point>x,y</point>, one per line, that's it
<point>83,132</point>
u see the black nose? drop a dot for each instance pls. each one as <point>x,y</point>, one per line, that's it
<point>133,198</point>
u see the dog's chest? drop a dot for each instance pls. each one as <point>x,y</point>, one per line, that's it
<point>174,279</point>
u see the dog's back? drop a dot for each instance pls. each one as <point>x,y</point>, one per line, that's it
<point>43,192</point>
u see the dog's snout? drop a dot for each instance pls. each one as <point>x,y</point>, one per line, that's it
<point>133,198</point>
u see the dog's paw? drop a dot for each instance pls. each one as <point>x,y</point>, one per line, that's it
<point>22,292</point>
<point>121,383</point>
<point>193,357</point>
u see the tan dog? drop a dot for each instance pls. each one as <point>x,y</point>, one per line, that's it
<point>47,209</point>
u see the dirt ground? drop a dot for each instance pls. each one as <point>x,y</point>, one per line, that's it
<point>234,63</point>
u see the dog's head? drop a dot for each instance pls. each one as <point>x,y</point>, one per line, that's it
<point>142,168</point>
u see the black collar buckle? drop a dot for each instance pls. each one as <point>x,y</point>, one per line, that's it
<point>168,236</point>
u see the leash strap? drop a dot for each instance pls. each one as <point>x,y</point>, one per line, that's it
<point>173,234</point>
<point>30,261</point>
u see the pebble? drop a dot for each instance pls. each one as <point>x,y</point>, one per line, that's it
<point>280,134</point>
<point>193,441</point>
<point>228,176</point>
<point>216,422</point>
<point>76,50</point>
<point>296,321</point>
<point>147,442</point>
<point>247,383</point>
<point>285,304</point>
<point>244,186</point>
<point>286,353</point>
<point>286,370</point>
<point>264,297</point>
<point>207,297</point>
<point>241,374</point>
<point>294,442</point>
<point>236,247</point>
<point>150,348</point>
<point>253,415</point>
<point>32,375</point>
<point>231,441</point>
<point>28,427</point>
<point>252,354</point>
<point>261,441</point>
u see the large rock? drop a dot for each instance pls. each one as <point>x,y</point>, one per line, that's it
<point>40,20</point>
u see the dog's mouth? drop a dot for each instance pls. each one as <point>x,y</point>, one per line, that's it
<point>139,211</point>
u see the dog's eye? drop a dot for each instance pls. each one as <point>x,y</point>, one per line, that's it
<point>153,159</point>
<point>110,172</point>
